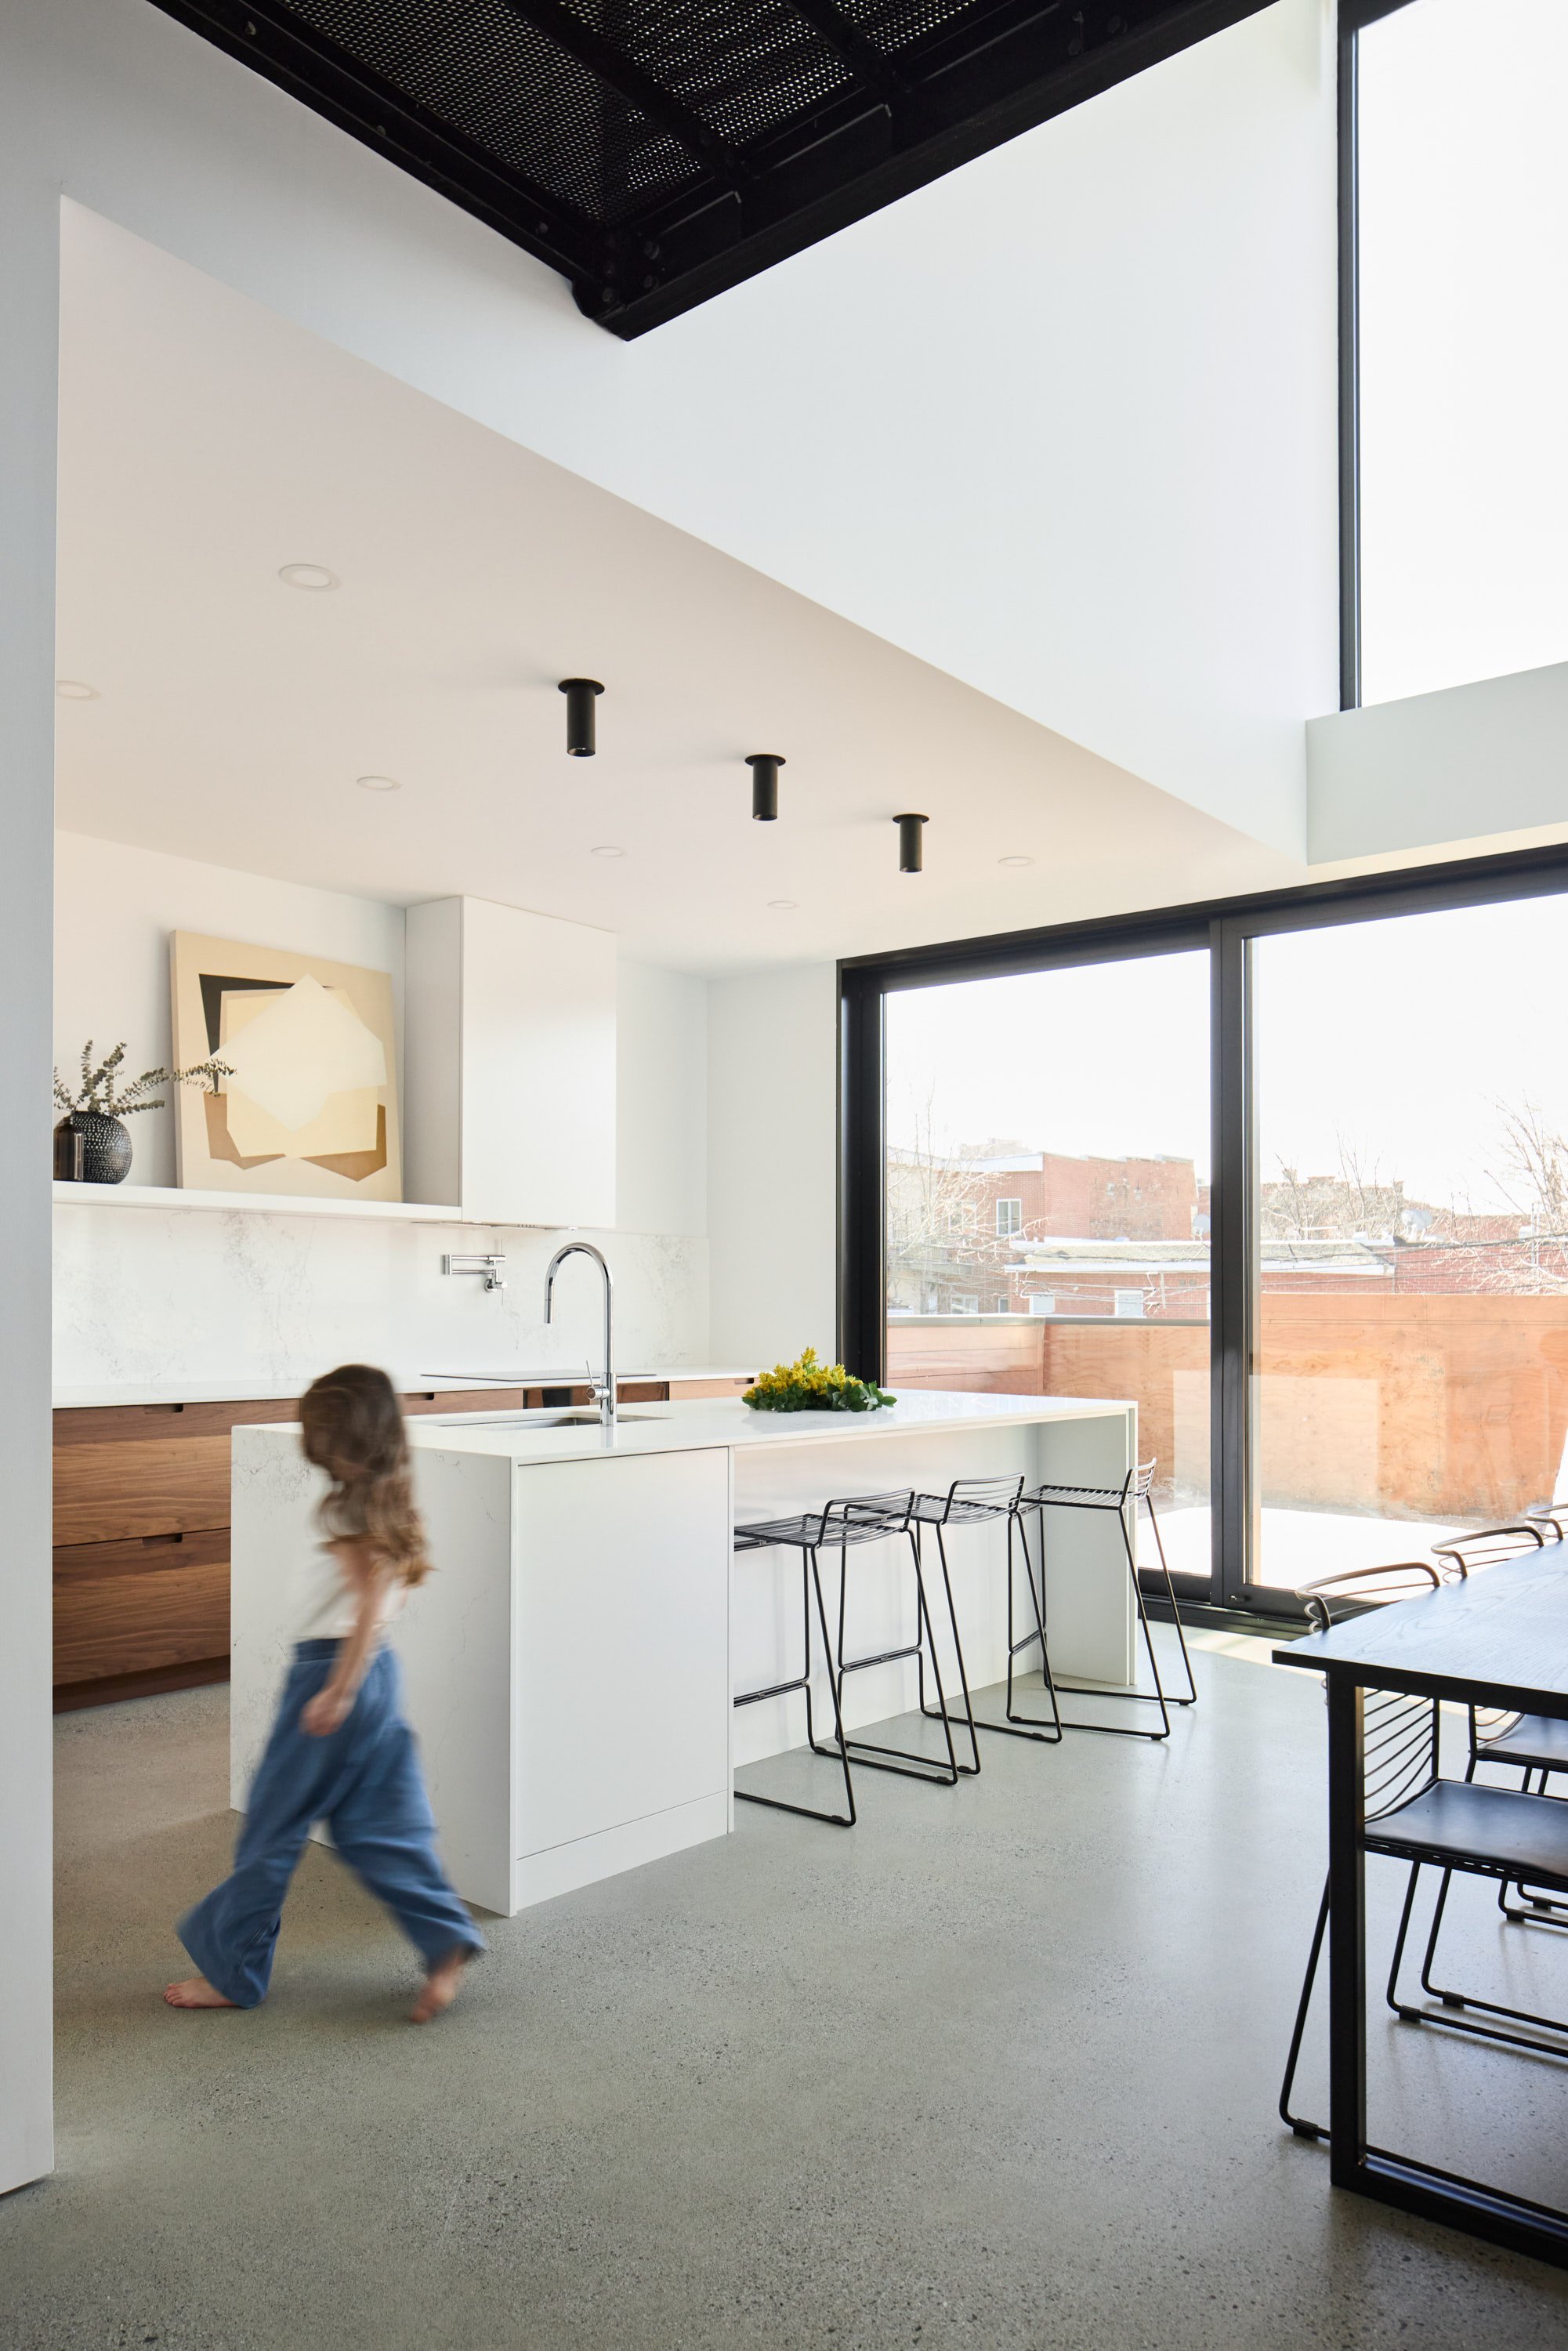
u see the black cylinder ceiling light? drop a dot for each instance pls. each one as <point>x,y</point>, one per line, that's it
<point>911,844</point>
<point>764,766</point>
<point>581,692</point>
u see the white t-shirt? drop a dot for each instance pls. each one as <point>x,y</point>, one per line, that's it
<point>326,1604</point>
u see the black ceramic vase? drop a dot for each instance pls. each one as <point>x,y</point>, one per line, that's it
<point>106,1148</point>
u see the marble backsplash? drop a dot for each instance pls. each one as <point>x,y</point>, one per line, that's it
<point>155,1295</point>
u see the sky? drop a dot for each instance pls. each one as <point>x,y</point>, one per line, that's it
<point>1394,1040</point>
<point>1463,168</point>
<point>1045,1059</point>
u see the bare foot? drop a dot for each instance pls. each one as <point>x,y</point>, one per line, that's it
<point>440,1986</point>
<point>195,1993</point>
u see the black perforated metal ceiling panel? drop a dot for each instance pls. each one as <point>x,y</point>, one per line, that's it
<point>656,151</point>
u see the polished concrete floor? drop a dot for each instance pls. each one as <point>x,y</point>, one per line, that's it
<point>997,2069</point>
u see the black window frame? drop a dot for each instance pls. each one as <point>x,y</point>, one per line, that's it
<point>1226,928</point>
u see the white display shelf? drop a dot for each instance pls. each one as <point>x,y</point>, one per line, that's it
<point>250,1204</point>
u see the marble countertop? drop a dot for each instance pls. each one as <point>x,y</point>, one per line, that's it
<point>725,1422</point>
<point>578,1375</point>
<point>254,1391</point>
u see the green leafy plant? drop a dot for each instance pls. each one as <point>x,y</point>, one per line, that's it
<point>99,1087</point>
<point>807,1386</point>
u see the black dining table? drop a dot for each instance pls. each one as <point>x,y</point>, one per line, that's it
<point>1497,1639</point>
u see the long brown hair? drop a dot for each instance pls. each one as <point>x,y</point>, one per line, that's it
<point>352,1427</point>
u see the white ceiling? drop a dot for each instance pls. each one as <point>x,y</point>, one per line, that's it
<point>205,443</point>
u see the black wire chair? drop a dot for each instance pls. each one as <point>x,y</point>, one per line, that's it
<point>1411,1813</point>
<point>1134,1493</point>
<point>1487,1546</point>
<point>1527,1743</point>
<point>979,1501</point>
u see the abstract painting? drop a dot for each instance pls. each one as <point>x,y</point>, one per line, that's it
<point>311,1106</point>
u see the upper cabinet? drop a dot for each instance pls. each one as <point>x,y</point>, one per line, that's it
<point>510,1038</point>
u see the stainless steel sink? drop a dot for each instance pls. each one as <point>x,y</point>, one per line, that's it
<point>585,1418</point>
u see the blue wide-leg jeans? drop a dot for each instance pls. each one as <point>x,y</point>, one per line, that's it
<point>365,1782</point>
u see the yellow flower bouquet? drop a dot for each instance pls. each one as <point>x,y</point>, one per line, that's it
<point>807,1386</point>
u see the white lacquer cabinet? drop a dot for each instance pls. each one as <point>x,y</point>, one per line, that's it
<point>510,1038</point>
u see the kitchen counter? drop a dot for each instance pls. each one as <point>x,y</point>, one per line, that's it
<point>570,1667</point>
<point>253,1391</point>
<point>676,1427</point>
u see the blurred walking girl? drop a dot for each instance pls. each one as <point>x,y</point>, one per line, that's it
<point>339,1749</point>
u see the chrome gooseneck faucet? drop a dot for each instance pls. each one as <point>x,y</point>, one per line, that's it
<point>604,1389</point>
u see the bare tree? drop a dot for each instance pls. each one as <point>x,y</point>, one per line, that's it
<point>936,1238</point>
<point>1452,1249</point>
<point>1533,1174</point>
<point>1356,1204</point>
<point>1375,1209</point>
<point>1287,1208</point>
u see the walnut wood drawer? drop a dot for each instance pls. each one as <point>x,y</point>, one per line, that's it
<point>140,1486</point>
<point>131,1606</point>
<point>121,1424</point>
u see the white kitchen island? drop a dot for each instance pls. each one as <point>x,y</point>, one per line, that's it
<point>570,1667</point>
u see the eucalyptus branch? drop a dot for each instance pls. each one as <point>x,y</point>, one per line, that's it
<point>98,1094</point>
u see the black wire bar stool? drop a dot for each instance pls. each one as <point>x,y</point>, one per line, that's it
<point>1411,1813</point>
<point>977,1502</point>
<point>895,1515</point>
<point>806,1535</point>
<point>1132,1494</point>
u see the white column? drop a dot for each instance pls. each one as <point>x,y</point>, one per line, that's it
<point>29,288</point>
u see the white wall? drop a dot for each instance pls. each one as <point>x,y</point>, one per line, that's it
<point>1438,770</point>
<point>114,909</point>
<point>773,1163</point>
<point>1105,353</point>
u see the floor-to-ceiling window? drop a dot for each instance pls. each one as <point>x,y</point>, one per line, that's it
<point>1457,188</point>
<point>1409,1230</point>
<point>1294,1175</point>
<point>1047,1200</point>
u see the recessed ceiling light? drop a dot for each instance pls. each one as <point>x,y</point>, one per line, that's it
<point>784,905</point>
<point>607,851</point>
<point>307,575</point>
<point>378,783</point>
<point>72,689</point>
<point>1015,860</point>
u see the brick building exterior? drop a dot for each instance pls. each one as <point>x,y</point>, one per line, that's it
<point>1089,1199</point>
<point>957,1226</point>
<point>1004,1231</point>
